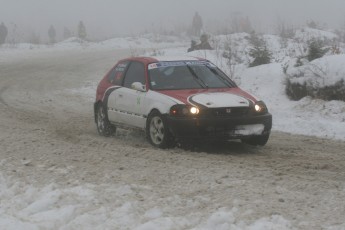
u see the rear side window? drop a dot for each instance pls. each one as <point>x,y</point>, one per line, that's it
<point>135,73</point>
<point>116,75</point>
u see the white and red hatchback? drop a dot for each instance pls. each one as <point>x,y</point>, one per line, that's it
<point>177,99</point>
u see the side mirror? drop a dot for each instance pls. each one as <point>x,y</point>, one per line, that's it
<point>138,86</point>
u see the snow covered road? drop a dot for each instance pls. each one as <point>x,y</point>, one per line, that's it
<point>56,172</point>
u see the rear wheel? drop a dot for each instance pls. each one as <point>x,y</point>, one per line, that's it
<point>256,140</point>
<point>104,127</point>
<point>157,131</point>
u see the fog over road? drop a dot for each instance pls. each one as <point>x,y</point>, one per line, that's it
<point>47,135</point>
<point>107,18</point>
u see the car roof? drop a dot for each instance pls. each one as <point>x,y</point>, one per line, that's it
<point>176,58</point>
<point>148,60</point>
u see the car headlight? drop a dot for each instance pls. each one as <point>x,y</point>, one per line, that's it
<point>260,107</point>
<point>194,110</point>
<point>184,110</point>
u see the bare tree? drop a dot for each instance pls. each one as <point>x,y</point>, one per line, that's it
<point>229,54</point>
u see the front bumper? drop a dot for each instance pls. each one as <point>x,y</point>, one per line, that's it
<point>220,127</point>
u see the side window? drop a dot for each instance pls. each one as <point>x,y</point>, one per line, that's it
<point>116,75</point>
<point>135,73</point>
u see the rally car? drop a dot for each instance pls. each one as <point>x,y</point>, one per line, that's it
<point>178,99</point>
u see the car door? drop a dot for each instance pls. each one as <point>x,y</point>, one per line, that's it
<point>125,104</point>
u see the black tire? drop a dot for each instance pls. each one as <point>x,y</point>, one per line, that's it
<point>104,127</point>
<point>157,131</point>
<point>256,140</point>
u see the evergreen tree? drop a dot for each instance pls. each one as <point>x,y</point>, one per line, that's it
<point>261,56</point>
<point>52,34</point>
<point>315,49</point>
<point>255,40</point>
<point>81,31</point>
<point>260,53</point>
<point>197,24</point>
<point>3,33</point>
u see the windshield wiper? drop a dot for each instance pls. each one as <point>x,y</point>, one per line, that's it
<point>225,80</point>
<point>200,82</point>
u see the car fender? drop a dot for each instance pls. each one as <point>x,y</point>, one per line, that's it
<point>160,102</point>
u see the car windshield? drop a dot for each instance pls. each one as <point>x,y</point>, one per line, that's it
<point>187,75</point>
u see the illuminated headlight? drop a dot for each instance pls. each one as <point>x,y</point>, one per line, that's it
<point>260,107</point>
<point>184,110</point>
<point>194,110</point>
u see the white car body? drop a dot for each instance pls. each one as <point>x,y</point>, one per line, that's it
<point>191,96</point>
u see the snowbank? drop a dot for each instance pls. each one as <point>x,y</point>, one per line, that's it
<point>85,207</point>
<point>306,34</point>
<point>325,71</point>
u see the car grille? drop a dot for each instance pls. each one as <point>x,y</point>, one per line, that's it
<point>225,112</point>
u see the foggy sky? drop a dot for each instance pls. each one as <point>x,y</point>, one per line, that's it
<point>107,18</point>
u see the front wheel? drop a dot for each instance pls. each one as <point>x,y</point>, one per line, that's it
<point>157,131</point>
<point>256,140</point>
<point>104,127</point>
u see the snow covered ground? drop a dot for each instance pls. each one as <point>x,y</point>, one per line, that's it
<point>84,206</point>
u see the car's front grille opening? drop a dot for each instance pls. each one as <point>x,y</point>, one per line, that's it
<point>226,112</point>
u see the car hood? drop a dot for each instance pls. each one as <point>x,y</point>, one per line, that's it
<point>212,98</point>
